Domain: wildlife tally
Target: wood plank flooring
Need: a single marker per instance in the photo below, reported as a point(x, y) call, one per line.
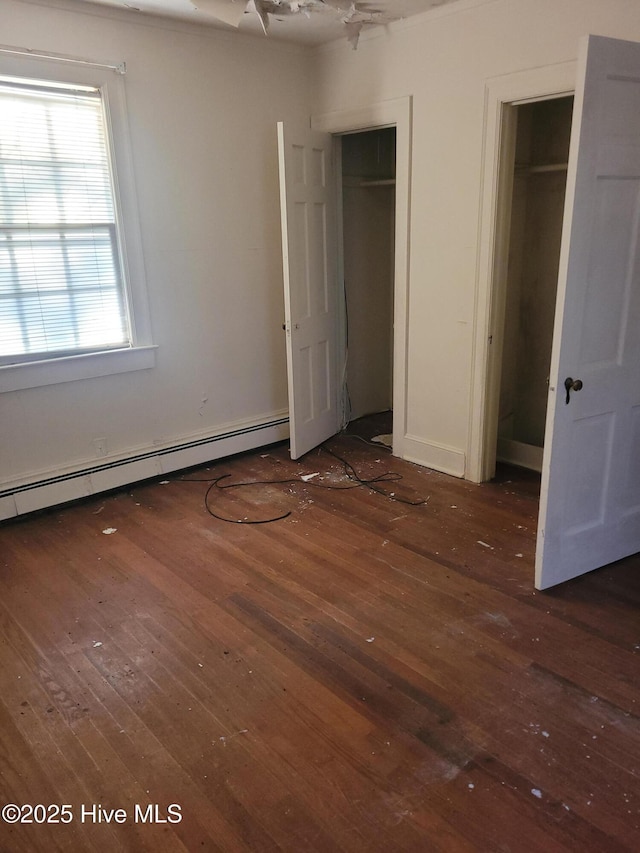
point(364, 675)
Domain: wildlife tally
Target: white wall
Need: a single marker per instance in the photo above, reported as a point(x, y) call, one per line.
point(445, 59)
point(202, 111)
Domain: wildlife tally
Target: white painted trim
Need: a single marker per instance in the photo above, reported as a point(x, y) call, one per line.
point(50, 488)
point(398, 113)
point(521, 87)
point(118, 67)
point(439, 457)
point(35, 374)
point(521, 454)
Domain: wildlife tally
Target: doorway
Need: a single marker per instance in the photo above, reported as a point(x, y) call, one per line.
point(368, 203)
point(537, 172)
point(589, 507)
point(396, 115)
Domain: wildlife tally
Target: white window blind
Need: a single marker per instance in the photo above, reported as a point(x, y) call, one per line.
point(61, 285)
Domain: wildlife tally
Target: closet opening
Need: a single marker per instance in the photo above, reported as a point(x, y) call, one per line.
point(538, 176)
point(367, 179)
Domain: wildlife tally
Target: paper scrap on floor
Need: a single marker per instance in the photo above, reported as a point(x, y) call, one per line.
point(387, 440)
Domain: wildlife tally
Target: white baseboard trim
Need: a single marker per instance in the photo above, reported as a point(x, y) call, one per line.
point(47, 490)
point(518, 453)
point(448, 460)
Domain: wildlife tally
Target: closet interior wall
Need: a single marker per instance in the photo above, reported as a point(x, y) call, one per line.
point(537, 205)
point(368, 214)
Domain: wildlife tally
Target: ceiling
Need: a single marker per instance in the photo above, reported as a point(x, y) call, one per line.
point(308, 22)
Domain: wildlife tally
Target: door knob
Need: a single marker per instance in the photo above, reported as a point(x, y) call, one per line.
point(570, 385)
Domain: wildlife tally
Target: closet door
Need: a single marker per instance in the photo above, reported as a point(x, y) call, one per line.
point(590, 497)
point(307, 203)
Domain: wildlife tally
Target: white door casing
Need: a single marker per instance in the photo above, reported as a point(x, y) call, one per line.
point(397, 113)
point(307, 206)
point(502, 95)
point(590, 494)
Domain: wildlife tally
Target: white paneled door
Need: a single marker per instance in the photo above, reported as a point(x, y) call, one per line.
point(307, 201)
point(590, 498)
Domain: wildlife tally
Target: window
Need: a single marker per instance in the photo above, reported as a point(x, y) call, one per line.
point(64, 295)
point(60, 277)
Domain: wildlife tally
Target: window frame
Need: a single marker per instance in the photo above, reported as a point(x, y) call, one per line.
point(140, 355)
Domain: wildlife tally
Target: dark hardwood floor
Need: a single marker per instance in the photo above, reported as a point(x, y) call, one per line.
point(363, 675)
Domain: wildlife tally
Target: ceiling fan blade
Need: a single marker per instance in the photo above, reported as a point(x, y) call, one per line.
point(228, 11)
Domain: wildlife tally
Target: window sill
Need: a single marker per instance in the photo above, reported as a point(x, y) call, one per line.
point(34, 374)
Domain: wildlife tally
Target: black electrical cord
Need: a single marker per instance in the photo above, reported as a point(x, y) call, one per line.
point(389, 477)
point(350, 473)
point(216, 485)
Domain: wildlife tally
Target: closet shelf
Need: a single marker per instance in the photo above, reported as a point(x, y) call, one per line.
point(382, 182)
point(539, 170)
point(369, 182)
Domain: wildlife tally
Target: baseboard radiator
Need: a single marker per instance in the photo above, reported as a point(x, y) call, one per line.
point(89, 479)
